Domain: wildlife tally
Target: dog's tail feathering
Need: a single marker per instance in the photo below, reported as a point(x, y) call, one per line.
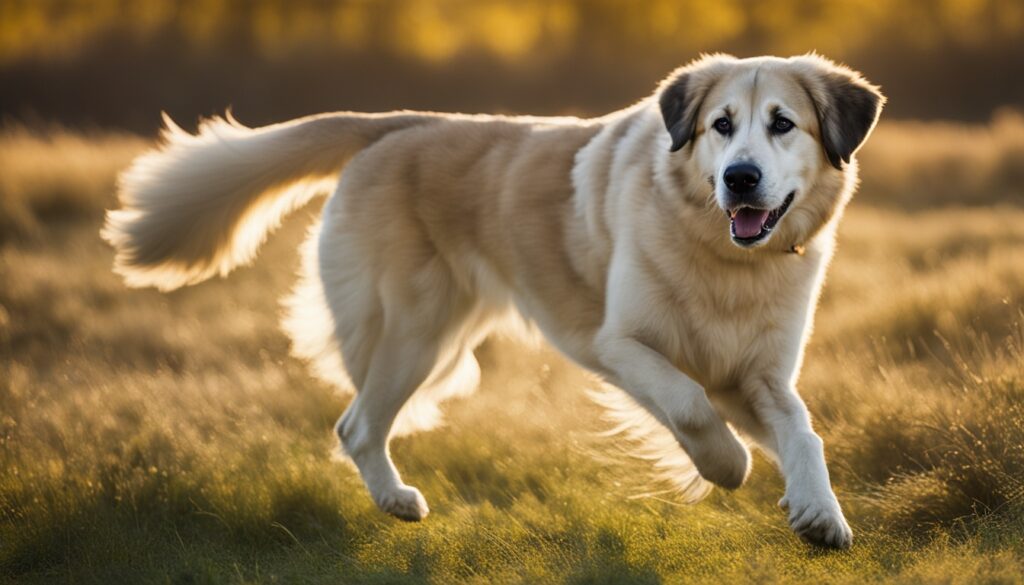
point(200, 205)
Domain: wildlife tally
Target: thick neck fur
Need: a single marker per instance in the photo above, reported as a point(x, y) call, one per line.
point(677, 202)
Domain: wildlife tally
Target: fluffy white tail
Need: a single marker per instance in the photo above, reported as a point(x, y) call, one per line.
point(200, 205)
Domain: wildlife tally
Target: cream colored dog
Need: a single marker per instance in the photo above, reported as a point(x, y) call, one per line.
point(676, 248)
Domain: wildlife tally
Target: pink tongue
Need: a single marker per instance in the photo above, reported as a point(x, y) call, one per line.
point(748, 222)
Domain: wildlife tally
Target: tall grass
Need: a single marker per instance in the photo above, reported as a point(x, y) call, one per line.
point(916, 165)
point(55, 173)
point(170, 438)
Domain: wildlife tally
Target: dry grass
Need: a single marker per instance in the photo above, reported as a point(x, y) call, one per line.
point(917, 165)
point(52, 174)
point(169, 438)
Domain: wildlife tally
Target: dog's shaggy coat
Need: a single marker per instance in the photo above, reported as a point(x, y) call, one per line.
point(676, 248)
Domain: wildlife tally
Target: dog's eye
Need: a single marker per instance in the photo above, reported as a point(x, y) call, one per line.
point(723, 126)
point(782, 125)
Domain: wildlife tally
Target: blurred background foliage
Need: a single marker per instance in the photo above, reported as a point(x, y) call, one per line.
point(116, 63)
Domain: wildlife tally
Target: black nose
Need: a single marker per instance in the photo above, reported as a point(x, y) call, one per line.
point(742, 178)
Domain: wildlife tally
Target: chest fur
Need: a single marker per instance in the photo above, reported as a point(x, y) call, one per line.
point(721, 324)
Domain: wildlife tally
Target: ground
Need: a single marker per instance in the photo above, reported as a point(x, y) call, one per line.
point(170, 438)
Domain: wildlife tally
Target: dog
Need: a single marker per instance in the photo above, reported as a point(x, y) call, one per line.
point(676, 248)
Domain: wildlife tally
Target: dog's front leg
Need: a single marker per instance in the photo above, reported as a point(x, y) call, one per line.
point(814, 511)
point(680, 404)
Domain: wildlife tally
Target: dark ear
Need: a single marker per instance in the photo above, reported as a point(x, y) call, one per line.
point(681, 94)
point(677, 111)
point(847, 106)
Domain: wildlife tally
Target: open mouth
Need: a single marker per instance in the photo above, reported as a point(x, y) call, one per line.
point(751, 225)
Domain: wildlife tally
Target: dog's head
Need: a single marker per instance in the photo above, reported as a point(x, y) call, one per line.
point(774, 138)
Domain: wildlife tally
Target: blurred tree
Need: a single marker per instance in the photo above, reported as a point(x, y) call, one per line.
point(948, 58)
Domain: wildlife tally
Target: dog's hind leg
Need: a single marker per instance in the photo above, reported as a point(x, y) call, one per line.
point(457, 374)
point(416, 335)
point(399, 367)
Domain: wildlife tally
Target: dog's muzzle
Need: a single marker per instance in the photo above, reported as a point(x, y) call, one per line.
point(750, 224)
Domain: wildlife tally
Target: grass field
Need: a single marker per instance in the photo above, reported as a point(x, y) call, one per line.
point(171, 439)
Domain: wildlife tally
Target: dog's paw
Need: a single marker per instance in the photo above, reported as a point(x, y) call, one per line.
point(719, 456)
point(818, 520)
point(403, 502)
